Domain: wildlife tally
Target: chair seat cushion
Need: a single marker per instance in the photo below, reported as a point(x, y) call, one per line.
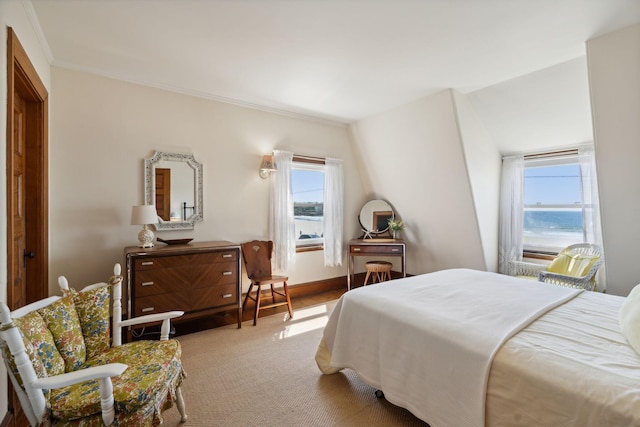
point(572, 264)
point(154, 372)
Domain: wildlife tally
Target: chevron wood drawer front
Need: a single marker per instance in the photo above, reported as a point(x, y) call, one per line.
point(198, 278)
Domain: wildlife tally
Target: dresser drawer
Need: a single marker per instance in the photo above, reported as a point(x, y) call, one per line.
point(214, 274)
point(186, 259)
point(376, 250)
point(161, 303)
point(214, 296)
point(161, 280)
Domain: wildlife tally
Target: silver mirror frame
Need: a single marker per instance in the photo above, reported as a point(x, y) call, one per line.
point(149, 190)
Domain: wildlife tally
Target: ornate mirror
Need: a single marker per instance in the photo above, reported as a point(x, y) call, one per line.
point(374, 217)
point(173, 184)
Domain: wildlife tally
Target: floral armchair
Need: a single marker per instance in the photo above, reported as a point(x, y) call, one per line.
point(68, 370)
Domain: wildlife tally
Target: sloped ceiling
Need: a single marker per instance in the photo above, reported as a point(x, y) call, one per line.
point(340, 60)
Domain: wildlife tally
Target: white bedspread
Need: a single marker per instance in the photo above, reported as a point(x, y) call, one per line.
point(428, 341)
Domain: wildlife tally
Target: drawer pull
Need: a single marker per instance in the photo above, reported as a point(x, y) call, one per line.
point(148, 309)
point(147, 263)
point(227, 255)
point(227, 273)
point(356, 249)
point(395, 250)
point(227, 295)
point(147, 283)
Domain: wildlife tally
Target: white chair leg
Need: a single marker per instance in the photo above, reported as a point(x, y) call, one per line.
point(180, 404)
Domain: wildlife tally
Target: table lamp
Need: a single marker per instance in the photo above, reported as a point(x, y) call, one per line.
point(144, 215)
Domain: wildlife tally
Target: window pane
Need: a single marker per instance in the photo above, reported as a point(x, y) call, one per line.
point(308, 205)
point(553, 207)
point(552, 185)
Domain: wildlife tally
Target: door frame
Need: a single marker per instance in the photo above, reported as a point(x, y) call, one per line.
point(22, 78)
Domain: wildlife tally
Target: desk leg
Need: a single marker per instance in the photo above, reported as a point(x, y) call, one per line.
point(404, 269)
point(349, 271)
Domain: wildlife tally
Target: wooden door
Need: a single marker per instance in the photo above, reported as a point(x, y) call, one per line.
point(163, 193)
point(18, 291)
point(27, 190)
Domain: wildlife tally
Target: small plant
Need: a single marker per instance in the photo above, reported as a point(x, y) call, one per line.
point(396, 225)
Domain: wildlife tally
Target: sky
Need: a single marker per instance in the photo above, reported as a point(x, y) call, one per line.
point(307, 186)
point(552, 185)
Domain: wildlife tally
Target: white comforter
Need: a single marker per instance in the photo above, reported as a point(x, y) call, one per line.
point(428, 341)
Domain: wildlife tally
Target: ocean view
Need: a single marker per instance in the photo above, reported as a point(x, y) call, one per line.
point(552, 228)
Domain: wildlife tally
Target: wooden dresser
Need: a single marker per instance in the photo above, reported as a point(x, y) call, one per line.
point(199, 278)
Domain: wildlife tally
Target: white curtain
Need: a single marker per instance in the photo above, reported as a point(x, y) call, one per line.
point(333, 212)
point(282, 223)
point(511, 212)
point(591, 204)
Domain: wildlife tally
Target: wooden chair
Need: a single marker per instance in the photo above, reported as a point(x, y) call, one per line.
point(257, 260)
point(377, 270)
point(53, 347)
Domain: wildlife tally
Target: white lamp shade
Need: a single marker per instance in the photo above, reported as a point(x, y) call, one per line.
point(145, 214)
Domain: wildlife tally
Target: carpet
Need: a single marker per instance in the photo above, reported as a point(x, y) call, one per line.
point(266, 376)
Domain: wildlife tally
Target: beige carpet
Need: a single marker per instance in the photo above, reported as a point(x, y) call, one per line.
point(266, 375)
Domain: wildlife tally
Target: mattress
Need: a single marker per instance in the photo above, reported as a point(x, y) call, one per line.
point(571, 367)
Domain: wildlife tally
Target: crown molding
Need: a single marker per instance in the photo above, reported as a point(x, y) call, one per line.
point(35, 24)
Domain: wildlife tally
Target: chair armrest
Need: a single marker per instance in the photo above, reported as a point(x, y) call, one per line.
point(148, 318)
point(583, 282)
point(104, 373)
point(70, 378)
point(522, 268)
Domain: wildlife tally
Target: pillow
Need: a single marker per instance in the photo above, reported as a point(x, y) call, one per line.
point(62, 320)
point(630, 318)
point(561, 263)
point(93, 312)
point(572, 264)
point(39, 345)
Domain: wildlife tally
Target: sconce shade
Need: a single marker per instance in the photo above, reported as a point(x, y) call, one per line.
point(142, 215)
point(267, 166)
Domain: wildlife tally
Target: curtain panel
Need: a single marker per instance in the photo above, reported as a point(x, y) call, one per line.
point(333, 212)
point(511, 212)
point(281, 220)
point(591, 206)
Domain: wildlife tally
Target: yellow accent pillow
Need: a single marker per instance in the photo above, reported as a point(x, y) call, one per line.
point(572, 264)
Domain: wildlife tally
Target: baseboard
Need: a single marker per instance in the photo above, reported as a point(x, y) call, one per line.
point(317, 287)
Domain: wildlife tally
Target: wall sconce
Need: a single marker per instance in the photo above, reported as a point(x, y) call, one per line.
point(267, 167)
point(144, 215)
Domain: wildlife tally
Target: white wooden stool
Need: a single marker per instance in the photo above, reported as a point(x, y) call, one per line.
point(378, 270)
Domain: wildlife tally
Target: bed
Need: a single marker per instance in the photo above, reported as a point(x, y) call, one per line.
point(469, 348)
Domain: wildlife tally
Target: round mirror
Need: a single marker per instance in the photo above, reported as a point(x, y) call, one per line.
point(374, 217)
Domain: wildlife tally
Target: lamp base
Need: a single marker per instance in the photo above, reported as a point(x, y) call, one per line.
point(146, 236)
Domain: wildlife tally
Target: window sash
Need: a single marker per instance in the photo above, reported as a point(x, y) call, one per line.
point(316, 165)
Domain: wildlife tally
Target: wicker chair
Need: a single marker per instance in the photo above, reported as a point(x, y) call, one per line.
point(588, 253)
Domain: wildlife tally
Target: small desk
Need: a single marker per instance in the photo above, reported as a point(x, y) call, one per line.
point(374, 247)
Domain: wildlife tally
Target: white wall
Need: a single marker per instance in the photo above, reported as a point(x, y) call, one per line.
point(614, 76)
point(484, 163)
point(101, 131)
point(413, 158)
point(546, 109)
point(12, 14)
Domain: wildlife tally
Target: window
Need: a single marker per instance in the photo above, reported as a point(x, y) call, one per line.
point(307, 182)
point(553, 216)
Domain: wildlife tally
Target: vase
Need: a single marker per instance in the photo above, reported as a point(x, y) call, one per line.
point(395, 234)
